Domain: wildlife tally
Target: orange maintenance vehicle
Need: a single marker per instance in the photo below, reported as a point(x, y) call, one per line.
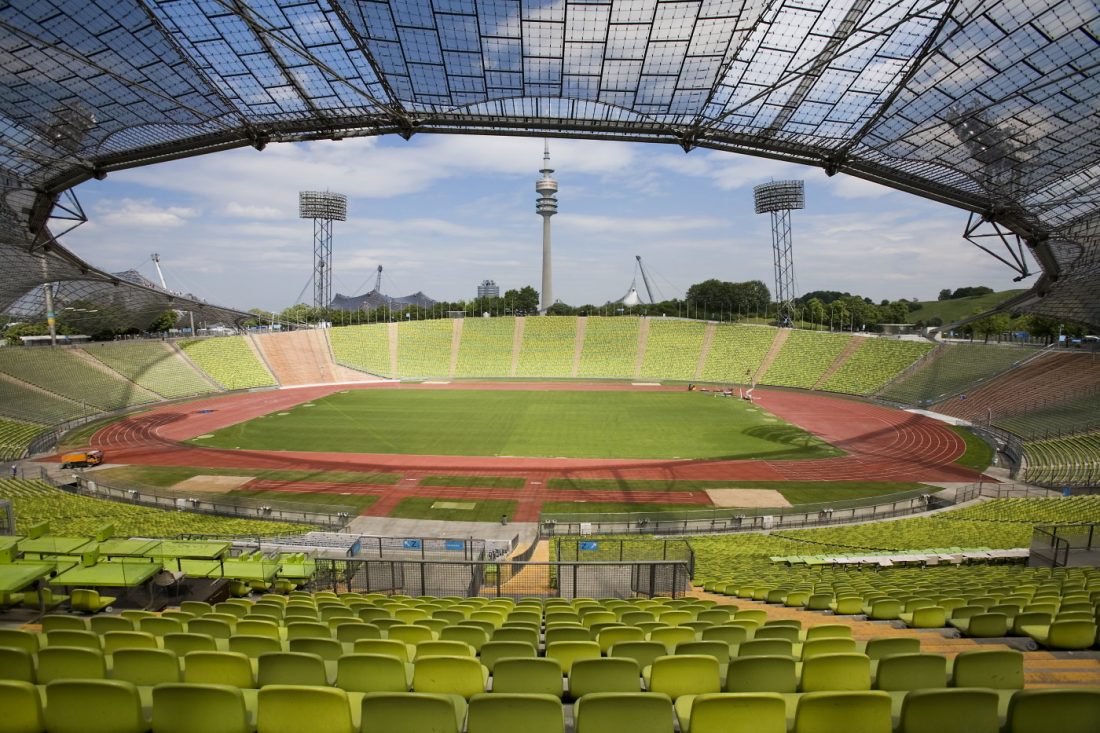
point(82, 459)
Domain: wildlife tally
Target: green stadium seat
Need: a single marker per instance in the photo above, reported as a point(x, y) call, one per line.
point(950, 711)
point(93, 706)
point(285, 708)
point(725, 712)
point(412, 712)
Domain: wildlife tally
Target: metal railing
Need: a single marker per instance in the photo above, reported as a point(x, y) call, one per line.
point(748, 519)
point(327, 516)
point(504, 579)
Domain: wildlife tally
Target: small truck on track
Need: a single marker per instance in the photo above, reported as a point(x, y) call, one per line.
point(82, 459)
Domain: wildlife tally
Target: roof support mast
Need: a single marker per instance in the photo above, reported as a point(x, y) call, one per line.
point(645, 280)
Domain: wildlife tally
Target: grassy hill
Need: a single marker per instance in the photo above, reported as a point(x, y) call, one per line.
point(950, 311)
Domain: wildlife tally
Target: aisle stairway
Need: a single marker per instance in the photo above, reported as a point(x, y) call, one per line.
point(303, 357)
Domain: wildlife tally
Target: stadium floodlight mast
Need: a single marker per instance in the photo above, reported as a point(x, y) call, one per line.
point(779, 198)
point(324, 208)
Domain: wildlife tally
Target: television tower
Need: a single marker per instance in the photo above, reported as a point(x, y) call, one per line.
point(778, 199)
point(546, 207)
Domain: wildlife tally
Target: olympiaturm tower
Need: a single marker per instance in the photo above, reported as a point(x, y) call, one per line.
point(546, 207)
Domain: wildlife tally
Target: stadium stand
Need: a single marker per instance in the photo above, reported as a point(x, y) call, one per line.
point(672, 349)
point(366, 348)
point(1078, 414)
point(15, 437)
point(804, 358)
point(154, 365)
point(548, 347)
point(954, 368)
point(874, 363)
point(22, 402)
point(610, 347)
point(72, 515)
point(1071, 461)
point(486, 347)
point(424, 348)
point(65, 373)
point(1046, 381)
point(736, 353)
point(229, 361)
point(303, 357)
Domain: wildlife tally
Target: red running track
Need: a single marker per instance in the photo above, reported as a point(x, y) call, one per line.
point(881, 445)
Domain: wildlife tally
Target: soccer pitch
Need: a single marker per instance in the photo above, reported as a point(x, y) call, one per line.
point(588, 424)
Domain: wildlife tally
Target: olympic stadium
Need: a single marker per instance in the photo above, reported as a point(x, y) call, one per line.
point(569, 522)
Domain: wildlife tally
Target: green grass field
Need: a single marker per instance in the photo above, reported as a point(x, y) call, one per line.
point(950, 311)
point(168, 476)
point(454, 510)
point(660, 425)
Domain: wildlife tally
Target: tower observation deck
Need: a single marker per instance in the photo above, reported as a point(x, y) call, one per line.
point(546, 206)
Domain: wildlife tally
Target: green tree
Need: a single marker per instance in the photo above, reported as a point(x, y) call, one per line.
point(815, 311)
point(166, 321)
point(945, 294)
point(992, 325)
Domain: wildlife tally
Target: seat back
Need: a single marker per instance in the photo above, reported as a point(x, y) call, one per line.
point(293, 708)
point(257, 627)
point(463, 676)
point(390, 647)
point(760, 712)
point(371, 673)
point(22, 706)
point(729, 634)
point(252, 646)
point(218, 668)
point(829, 631)
point(567, 652)
point(789, 633)
point(93, 706)
point(535, 675)
point(79, 639)
point(145, 666)
point(879, 648)
point(643, 652)
point(61, 662)
point(911, 672)
point(290, 668)
point(442, 648)
point(471, 635)
point(412, 712)
point(950, 711)
point(183, 644)
point(492, 713)
point(102, 624)
point(115, 640)
point(623, 712)
point(999, 669)
point(497, 650)
point(828, 712)
point(60, 622)
point(184, 708)
point(720, 650)
point(17, 665)
point(766, 647)
point(1065, 711)
point(836, 672)
point(18, 639)
point(687, 674)
point(606, 674)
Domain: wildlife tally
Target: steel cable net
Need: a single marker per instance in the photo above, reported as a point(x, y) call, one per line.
point(989, 105)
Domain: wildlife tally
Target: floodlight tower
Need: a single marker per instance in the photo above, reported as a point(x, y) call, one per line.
point(546, 206)
point(779, 198)
point(324, 208)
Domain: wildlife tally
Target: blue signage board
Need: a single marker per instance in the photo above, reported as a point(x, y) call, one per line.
point(455, 545)
point(590, 545)
point(411, 544)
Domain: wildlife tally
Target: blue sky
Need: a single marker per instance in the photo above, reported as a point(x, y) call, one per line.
point(441, 213)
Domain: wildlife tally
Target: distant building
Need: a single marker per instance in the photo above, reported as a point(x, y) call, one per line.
point(488, 289)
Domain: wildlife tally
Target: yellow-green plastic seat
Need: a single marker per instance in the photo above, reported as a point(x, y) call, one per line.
point(373, 673)
point(717, 649)
point(159, 626)
point(612, 635)
point(983, 625)
point(495, 713)
point(765, 647)
point(686, 674)
point(79, 639)
point(899, 672)
point(493, 651)
point(762, 674)
point(291, 668)
point(85, 600)
point(879, 648)
point(93, 706)
point(567, 652)
point(999, 669)
point(828, 631)
point(21, 706)
point(16, 665)
point(789, 633)
point(327, 649)
point(849, 672)
point(116, 640)
point(464, 676)
point(441, 648)
point(183, 644)
point(214, 628)
point(1064, 635)
point(186, 708)
point(729, 634)
point(145, 667)
point(535, 675)
point(18, 639)
point(62, 662)
point(410, 633)
point(623, 712)
point(557, 634)
point(307, 630)
point(643, 652)
point(1062, 710)
point(724, 712)
point(850, 712)
point(412, 712)
point(257, 627)
point(218, 668)
point(827, 645)
point(506, 633)
point(103, 623)
point(606, 674)
point(956, 710)
point(296, 708)
point(475, 637)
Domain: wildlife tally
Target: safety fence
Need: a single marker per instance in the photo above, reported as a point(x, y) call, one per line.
point(1062, 545)
point(504, 579)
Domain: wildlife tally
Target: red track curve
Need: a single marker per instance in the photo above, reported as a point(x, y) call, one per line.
point(881, 445)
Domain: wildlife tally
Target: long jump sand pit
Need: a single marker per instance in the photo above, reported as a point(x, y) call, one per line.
point(746, 498)
point(212, 484)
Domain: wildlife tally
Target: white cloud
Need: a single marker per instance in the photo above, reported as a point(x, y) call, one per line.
point(144, 213)
point(252, 211)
